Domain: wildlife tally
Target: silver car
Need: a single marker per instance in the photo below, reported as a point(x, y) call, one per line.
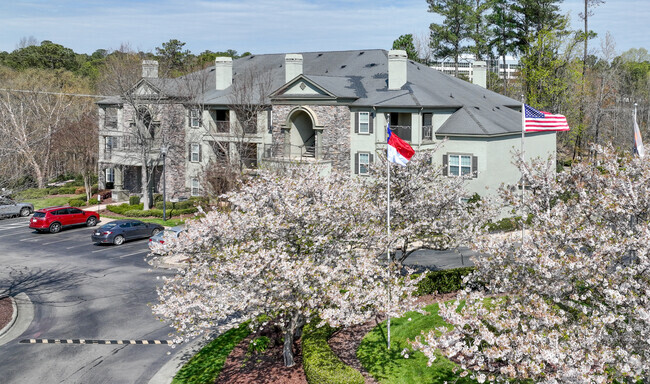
point(9, 207)
point(168, 233)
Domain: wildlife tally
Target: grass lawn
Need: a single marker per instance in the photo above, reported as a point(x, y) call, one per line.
point(51, 201)
point(389, 366)
point(205, 366)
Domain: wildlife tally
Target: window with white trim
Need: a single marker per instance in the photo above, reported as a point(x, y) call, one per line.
point(195, 152)
point(195, 118)
point(196, 189)
point(364, 122)
point(110, 175)
point(460, 165)
point(111, 143)
point(363, 163)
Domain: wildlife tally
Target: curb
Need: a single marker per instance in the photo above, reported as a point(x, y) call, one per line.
point(166, 373)
point(14, 316)
point(24, 312)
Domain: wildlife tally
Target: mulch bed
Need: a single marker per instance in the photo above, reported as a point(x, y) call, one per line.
point(6, 311)
point(268, 367)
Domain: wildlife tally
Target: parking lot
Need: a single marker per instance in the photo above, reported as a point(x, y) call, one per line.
point(80, 291)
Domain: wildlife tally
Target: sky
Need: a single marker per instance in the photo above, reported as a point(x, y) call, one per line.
point(264, 26)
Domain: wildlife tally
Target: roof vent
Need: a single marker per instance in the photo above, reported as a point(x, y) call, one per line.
point(451, 95)
point(319, 55)
point(361, 53)
point(343, 66)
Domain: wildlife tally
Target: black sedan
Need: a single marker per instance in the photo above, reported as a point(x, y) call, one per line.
point(119, 231)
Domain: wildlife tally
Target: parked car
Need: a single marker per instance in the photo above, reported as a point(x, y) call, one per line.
point(168, 233)
point(119, 231)
point(53, 219)
point(10, 207)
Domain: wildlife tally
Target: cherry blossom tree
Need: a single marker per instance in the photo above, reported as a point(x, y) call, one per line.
point(290, 249)
point(429, 210)
point(571, 304)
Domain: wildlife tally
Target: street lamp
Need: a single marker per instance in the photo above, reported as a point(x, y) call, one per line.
point(163, 152)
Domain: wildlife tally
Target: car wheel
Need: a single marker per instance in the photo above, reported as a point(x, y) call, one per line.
point(91, 222)
point(155, 232)
point(118, 240)
point(55, 227)
point(24, 212)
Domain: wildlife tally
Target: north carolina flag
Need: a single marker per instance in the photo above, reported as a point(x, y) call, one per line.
point(536, 121)
point(399, 151)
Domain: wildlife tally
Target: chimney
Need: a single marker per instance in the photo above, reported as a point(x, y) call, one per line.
point(149, 68)
point(223, 72)
point(479, 76)
point(396, 69)
point(292, 65)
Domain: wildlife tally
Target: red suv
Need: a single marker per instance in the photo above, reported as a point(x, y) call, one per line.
point(52, 219)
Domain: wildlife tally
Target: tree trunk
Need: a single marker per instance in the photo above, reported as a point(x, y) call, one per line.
point(292, 333)
point(287, 350)
point(88, 186)
point(145, 185)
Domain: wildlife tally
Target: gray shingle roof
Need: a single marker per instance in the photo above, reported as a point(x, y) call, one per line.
point(361, 77)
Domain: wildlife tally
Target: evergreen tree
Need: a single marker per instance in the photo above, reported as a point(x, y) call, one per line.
point(448, 38)
point(535, 16)
point(479, 31)
point(405, 42)
point(504, 34)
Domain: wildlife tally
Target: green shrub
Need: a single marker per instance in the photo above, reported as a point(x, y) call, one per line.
point(120, 209)
point(76, 203)
point(93, 201)
point(321, 365)
point(33, 193)
point(259, 345)
point(53, 191)
point(134, 200)
point(68, 190)
point(445, 281)
point(157, 197)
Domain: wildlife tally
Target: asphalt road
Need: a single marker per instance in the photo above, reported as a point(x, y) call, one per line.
point(80, 291)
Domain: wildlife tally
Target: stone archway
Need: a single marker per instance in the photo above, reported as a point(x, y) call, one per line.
point(302, 135)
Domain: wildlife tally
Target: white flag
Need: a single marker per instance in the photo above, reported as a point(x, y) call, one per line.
point(638, 143)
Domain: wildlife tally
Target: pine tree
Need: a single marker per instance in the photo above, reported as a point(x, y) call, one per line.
point(447, 38)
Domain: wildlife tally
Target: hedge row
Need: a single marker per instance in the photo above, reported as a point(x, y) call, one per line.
point(137, 211)
point(321, 365)
point(445, 281)
point(158, 212)
point(37, 193)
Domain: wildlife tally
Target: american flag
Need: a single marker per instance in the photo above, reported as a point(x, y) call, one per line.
point(536, 121)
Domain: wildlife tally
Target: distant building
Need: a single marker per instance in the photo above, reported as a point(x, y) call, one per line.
point(467, 62)
point(325, 109)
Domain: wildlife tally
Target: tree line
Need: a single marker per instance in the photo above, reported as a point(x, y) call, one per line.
point(48, 116)
point(559, 70)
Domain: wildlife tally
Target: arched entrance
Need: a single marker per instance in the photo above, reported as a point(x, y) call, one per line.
point(302, 136)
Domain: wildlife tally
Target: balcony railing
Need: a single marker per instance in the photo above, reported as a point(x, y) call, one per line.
point(403, 131)
point(427, 132)
point(222, 126)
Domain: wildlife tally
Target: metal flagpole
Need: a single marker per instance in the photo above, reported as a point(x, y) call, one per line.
point(523, 183)
point(388, 229)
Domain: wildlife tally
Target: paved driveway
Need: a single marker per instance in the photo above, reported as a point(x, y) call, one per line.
point(92, 321)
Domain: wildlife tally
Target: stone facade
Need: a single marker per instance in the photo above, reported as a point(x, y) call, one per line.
point(331, 121)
